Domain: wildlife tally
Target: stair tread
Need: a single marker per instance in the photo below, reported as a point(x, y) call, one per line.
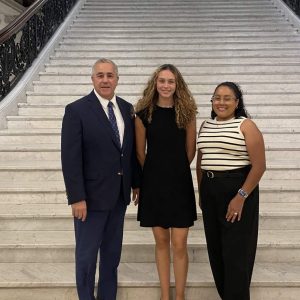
point(23, 147)
point(275, 185)
point(65, 238)
point(56, 117)
point(28, 210)
point(56, 165)
point(57, 131)
point(266, 184)
point(139, 274)
point(200, 104)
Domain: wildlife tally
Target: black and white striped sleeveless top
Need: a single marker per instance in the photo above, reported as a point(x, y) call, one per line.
point(222, 145)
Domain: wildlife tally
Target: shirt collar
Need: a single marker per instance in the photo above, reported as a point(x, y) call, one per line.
point(104, 102)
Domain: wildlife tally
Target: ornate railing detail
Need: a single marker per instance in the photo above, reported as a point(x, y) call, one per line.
point(23, 39)
point(294, 5)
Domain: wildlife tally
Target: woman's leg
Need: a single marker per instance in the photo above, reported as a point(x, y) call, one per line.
point(162, 256)
point(180, 259)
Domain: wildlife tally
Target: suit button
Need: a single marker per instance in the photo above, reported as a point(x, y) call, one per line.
point(122, 155)
point(120, 173)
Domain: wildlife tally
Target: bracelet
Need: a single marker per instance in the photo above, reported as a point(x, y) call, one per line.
point(243, 193)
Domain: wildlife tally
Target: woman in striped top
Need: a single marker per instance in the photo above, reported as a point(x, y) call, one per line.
point(230, 163)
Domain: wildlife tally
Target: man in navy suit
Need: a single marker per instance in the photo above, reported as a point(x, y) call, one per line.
point(100, 169)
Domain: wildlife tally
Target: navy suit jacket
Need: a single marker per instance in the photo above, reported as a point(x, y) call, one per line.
point(94, 167)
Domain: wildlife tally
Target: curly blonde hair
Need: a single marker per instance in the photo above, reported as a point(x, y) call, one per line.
point(184, 102)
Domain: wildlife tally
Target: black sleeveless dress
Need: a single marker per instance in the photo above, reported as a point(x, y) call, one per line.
point(167, 197)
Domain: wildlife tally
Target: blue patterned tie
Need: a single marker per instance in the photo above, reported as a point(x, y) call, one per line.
point(113, 121)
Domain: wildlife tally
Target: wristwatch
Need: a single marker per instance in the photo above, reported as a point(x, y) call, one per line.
point(243, 193)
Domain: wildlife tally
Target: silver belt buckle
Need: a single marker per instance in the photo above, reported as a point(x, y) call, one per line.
point(210, 174)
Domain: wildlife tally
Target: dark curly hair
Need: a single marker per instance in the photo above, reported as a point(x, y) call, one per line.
point(240, 110)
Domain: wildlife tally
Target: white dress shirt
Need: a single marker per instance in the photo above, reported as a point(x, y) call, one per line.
point(119, 118)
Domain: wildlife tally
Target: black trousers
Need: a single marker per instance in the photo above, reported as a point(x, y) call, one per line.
point(231, 246)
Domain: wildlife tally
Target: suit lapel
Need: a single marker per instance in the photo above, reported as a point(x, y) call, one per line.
point(102, 117)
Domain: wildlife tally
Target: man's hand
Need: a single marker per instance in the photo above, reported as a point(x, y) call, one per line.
point(135, 196)
point(79, 210)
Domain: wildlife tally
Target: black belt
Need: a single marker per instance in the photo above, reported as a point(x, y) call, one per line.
point(229, 173)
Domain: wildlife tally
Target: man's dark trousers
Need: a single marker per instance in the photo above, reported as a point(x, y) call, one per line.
point(101, 230)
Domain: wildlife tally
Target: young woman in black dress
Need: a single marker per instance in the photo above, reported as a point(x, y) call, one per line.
point(166, 145)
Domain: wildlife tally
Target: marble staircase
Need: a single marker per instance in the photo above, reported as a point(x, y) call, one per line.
point(247, 41)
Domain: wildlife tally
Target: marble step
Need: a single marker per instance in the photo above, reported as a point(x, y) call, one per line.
point(203, 15)
point(271, 190)
point(200, 15)
point(138, 246)
point(62, 98)
point(190, 77)
point(178, 35)
point(56, 194)
point(279, 37)
point(199, 61)
point(192, 27)
point(74, 54)
point(30, 153)
point(200, 10)
point(182, 22)
point(175, 3)
point(203, 109)
point(36, 281)
point(240, 67)
point(197, 23)
point(54, 165)
point(193, 46)
point(183, 7)
point(174, 27)
point(42, 214)
point(51, 171)
point(49, 152)
point(191, 22)
point(262, 121)
point(23, 137)
point(18, 132)
point(118, 21)
point(131, 6)
point(271, 144)
point(273, 166)
point(217, 3)
point(20, 153)
point(54, 137)
point(195, 87)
